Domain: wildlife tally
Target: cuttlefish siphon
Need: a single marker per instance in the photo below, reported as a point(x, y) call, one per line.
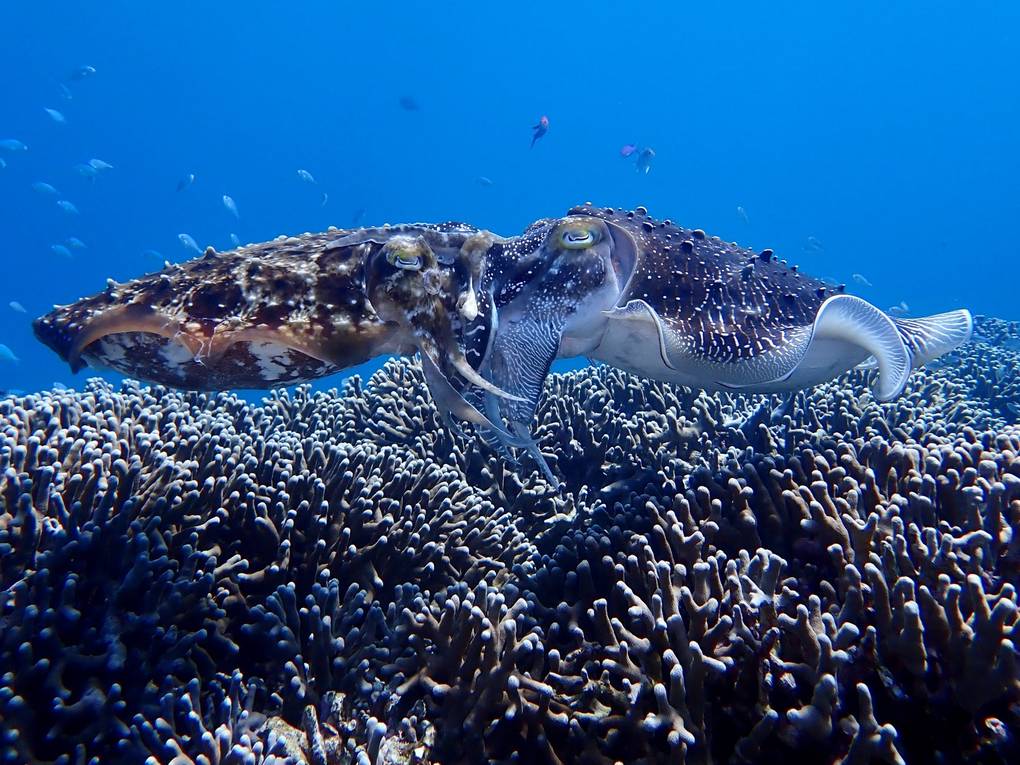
point(291, 310)
point(676, 305)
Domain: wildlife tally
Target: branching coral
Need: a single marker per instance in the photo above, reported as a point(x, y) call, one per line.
point(335, 578)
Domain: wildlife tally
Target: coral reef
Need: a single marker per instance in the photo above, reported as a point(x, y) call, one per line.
point(335, 578)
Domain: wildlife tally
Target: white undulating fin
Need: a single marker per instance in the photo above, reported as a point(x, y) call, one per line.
point(929, 337)
point(639, 310)
point(849, 318)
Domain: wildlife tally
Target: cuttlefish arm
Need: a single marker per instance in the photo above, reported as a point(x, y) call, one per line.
point(560, 286)
point(411, 287)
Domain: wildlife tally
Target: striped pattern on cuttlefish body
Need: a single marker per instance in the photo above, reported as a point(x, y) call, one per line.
point(290, 310)
point(677, 305)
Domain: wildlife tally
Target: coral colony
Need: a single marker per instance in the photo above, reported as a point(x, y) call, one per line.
point(336, 578)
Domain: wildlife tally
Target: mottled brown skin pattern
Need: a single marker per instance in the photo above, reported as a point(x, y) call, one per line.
point(731, 302)
point(264, 315)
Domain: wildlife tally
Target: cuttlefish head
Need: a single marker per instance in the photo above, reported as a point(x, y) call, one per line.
point(553, 302)
point(577, 259)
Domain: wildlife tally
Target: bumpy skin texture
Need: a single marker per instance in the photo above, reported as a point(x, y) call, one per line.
point(332, 577)
point(260, 316)
point(730, 302)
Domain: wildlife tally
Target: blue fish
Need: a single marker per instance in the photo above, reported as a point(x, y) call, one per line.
point(67, 207)
point(189, 242)
point(46, 189)
point(86, 171)
point(12, 144)
point(229, 203)
point(6, 354)
point(83, 72)
point(59, 249)
point(56, 116)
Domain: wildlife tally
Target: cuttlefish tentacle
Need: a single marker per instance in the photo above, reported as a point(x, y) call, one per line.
point(522, 353)
point(409, 287)
point(448, 401)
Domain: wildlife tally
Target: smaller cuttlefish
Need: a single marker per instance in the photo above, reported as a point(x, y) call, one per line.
point(291, 310)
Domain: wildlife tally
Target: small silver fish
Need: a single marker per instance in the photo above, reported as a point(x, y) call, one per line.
point(56, 116)
point(325, 198)
point(75, 243)
point(16, 306)
point(83, 72)
point(46, 189)
point(153, 254)
point(86, 171)
point(483, 180)
point(231, 205)
point(61, 250)
point(306, 176)
point(862, 280)
point(899, 309)
point(99, 164)
point(812, 244)
point(67, 207)
point(65, 92)
point(3, 163)
point(742, 213)
point(12, 144)
point(234, 240)
point(59, 386)
point(6, 354)
point(189, 242)
point(186, 181)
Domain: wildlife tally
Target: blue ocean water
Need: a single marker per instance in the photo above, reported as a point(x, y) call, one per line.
point(877, 139)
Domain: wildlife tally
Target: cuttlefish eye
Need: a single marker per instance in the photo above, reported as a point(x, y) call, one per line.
point(578, 237)
point(408, 258)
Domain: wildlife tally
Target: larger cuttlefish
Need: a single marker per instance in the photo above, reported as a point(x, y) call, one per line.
point(291, 310)
point(676, 305)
